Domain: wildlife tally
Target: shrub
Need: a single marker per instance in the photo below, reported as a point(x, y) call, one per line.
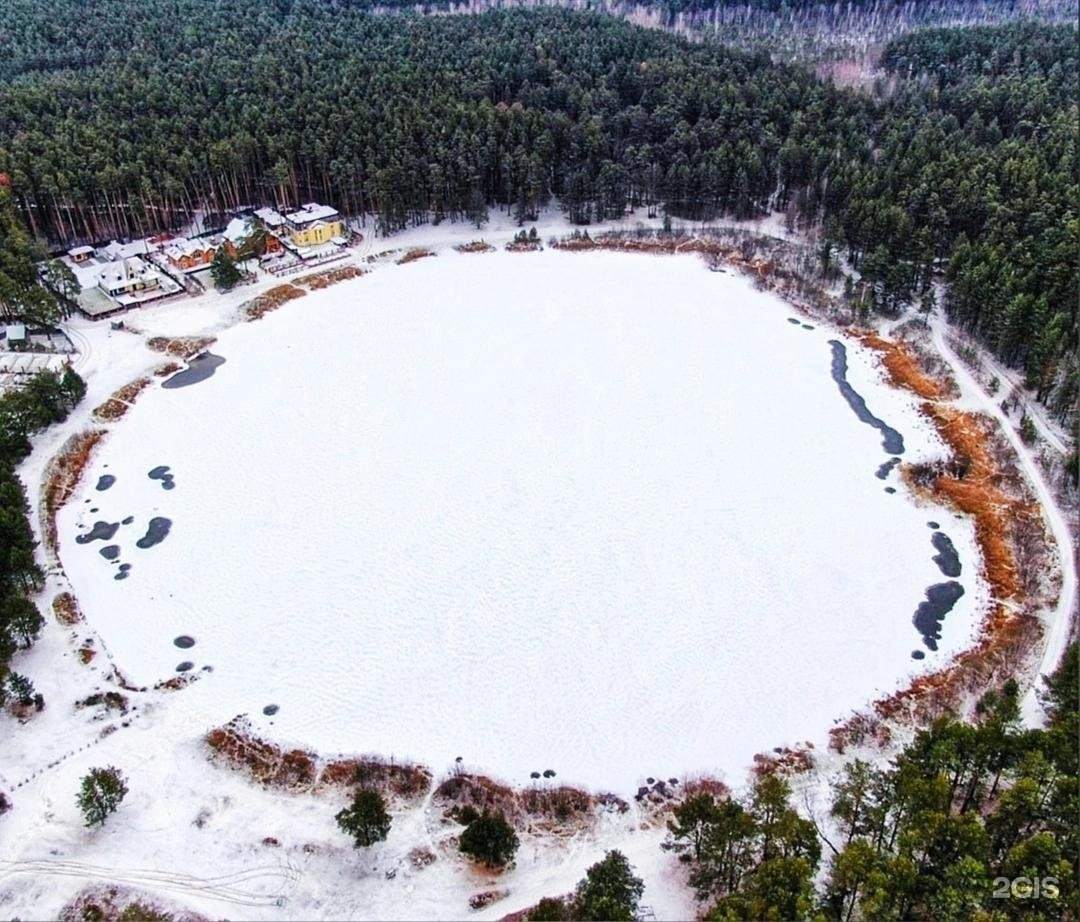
point(366, 820)
point(490, 839)
point(100, 794)
point(549, 909)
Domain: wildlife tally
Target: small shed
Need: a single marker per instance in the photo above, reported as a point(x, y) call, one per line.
point(15, 334)
point(80, 254)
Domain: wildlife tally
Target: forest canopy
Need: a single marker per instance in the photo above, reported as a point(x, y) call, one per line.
point(962, 166)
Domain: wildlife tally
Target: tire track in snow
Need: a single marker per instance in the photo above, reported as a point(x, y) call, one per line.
point(226, 888)
point(82, 347)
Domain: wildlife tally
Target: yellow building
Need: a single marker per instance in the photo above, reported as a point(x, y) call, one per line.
point(314, 224)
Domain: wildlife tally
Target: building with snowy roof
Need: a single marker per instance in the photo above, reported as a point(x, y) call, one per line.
point(314, 224)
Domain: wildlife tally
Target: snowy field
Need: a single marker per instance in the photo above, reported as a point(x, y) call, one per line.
point(604, 514)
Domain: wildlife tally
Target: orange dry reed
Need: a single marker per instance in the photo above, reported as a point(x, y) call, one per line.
point(974, 484)
point(330, 277)
point(902, 367)
point(181, 346)
point(62, 476)
point(120, 401)
point(66, 608)
point(273, 299)
point(413, 255)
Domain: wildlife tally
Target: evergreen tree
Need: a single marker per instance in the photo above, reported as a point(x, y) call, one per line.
point(365, 819)
point(489, 839)
point(20, 688)
point(100, 794)
point(223, 270)
point(610, 891)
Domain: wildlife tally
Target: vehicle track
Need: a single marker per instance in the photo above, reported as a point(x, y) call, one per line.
point(226, 888)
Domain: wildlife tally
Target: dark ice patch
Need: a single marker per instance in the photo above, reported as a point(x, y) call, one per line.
point(891, 440)
point(105, 481)
point(110, 551)
point(199, 369)
point(102, 531)
point(161, 472)
point(940, 599)
point(947, 559)
point(883, 471)
point(184, 642)
point(156, 532)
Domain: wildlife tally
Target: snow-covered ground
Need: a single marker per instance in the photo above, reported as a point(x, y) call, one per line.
point(344, 465)
point(601, 514)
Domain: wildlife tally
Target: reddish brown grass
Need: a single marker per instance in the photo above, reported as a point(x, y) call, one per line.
point(330, 277)
point(406, 781)
point(980, 483)
point(475, 246)
point(110, 903)
point(271, 300)
point(267, 763)
point(163, 371)
point(120, 402)
point(300, 770)
point(413, 255)
point(183, 347)
point(902, 367)
point(66, 609)
point(62, 476)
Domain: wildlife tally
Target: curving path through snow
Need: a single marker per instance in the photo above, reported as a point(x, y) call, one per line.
point(1057, 620)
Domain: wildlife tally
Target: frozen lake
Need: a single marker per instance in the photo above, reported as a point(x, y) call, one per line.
point(604, 514)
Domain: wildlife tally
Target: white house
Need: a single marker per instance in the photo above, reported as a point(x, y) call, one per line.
point(127, 277)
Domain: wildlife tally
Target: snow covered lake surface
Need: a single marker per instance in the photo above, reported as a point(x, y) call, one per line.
point(604, 514)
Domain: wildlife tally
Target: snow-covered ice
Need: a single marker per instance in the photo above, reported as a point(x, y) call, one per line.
point(604, 514)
